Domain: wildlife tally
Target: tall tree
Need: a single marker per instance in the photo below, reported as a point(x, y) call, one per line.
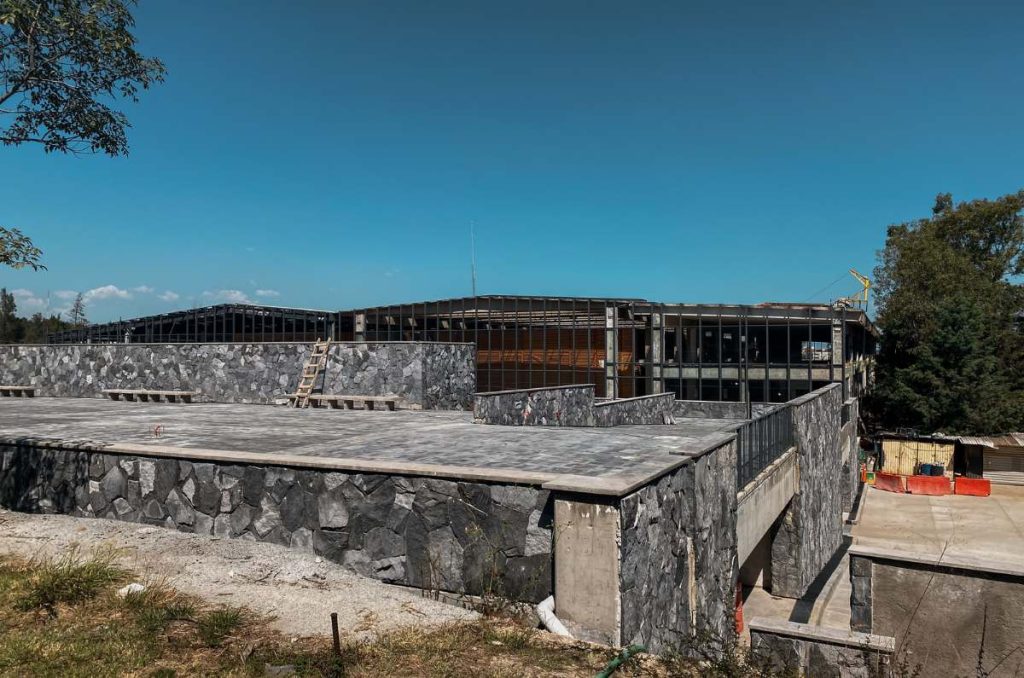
point(62, 64)
point(76, 314)
point(8, 319)
point(949, 300)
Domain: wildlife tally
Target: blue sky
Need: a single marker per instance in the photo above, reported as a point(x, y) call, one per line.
point(334, 154)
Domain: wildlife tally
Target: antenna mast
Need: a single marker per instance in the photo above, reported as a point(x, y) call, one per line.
point(472, 253)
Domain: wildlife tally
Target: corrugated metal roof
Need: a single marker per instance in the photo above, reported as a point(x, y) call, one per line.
point(976, 440)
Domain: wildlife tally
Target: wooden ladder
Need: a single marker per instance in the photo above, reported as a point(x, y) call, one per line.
point(311, 372)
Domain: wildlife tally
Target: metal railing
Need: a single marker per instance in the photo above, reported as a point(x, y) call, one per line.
point(761, 441)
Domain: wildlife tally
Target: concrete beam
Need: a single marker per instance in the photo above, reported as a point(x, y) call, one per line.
point(763, 500)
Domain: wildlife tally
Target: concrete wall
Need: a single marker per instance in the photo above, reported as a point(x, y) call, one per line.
point(423, 374)
point(761, 502)
point(430, 533)
point(789, 648)
point(678, 554)
point(941, 614)
point(811, 530)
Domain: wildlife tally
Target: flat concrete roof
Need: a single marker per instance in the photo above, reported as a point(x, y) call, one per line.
point(609, 461)
point(981, 532)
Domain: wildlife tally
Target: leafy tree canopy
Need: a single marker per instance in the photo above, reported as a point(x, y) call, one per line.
point(62, 65)
point(950, 299)
point(17, 251)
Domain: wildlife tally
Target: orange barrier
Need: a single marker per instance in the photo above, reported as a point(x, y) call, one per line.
point(972, 487)
point(739, 607)
point(929, 485)
point(890, 482)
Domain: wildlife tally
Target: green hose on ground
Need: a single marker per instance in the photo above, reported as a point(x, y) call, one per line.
point(614, 664)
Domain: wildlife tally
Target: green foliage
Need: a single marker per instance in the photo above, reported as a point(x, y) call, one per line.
point(62, 62)
point(32, 330)
point(69, 579)
point(950, 299)
point(17, 251)
point(216, 625)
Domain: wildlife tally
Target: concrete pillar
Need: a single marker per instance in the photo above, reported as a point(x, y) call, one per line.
point(655, 359)
point(360, 327)
point(611, 353)
point(587, 596)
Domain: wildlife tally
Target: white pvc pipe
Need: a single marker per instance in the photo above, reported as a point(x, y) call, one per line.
point(546, 612)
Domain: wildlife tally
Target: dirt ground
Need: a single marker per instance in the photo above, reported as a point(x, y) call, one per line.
point(299, 589)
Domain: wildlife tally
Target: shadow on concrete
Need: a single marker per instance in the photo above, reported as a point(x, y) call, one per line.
point(805, 605)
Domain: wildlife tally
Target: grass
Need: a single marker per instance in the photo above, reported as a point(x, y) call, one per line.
point(63, 617)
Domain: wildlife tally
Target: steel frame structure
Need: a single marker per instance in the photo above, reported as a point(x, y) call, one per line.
point(625, 347)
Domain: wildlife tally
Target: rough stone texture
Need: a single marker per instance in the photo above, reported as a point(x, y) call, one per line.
point(569, 406)
point(423, 374)
point(811, 529)
point(557, 406)
point(653, 409)
point(464, 537)
point(717, 409)
point(860, 594)
point(688, 517)
point(958, 614)
point(819, 657)
point(851, 453)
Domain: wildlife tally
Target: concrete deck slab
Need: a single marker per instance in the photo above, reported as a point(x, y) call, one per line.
point(597, 460)
point(985, 529)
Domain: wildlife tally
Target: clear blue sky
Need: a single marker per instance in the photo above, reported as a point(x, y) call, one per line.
point(334, 154)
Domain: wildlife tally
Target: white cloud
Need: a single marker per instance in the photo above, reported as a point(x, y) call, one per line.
point(267, 293)
point(231, 296)
point(143, 289)
point(67, 295)
point(28, 301)
point(106, 292)
point(169, 296)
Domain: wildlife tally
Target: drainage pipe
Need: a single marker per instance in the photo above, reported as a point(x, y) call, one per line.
point(546, 612)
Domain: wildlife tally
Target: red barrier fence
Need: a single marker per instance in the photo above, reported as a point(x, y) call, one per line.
point(930, 485)
point(973, 487)
point(890, 482)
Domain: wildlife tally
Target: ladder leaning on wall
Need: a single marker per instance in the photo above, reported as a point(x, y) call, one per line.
point(315, 366)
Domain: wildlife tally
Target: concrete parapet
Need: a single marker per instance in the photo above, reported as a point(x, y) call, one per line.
point(802, 649)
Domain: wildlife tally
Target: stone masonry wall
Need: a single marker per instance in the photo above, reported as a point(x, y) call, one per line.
point(465, 537)
point(851, 453)
point(555, 406)
point(678, 554)
point(653, 409)
point(800, 649)
point(811, 529)
point(717, 409)
point(423, 375)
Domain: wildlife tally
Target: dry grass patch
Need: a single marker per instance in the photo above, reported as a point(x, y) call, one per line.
point(63, 617)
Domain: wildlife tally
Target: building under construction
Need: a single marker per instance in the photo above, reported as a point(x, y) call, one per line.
point(769, 352)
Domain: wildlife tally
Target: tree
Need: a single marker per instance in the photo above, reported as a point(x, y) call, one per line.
point(8, 319)
point(949, 300)
point(76, 314)
point(17, 251)
point(62, 63)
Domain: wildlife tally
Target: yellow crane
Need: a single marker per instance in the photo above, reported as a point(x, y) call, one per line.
point(860, 299)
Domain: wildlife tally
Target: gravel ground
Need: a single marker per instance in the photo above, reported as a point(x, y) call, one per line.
point(299, 589)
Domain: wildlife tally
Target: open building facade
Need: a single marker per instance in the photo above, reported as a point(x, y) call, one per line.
point(764, 353)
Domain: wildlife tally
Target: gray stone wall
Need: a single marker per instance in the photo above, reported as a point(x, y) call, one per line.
point(555, 406)
point(860, 594)
point(678, 554)
point(811, 529)
point(569, 406)
point(789, 648)
point(949, 619)
point(464, 537)
point(851, 453)
point(423, 375)
point(652, 409)
point(717, 409)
